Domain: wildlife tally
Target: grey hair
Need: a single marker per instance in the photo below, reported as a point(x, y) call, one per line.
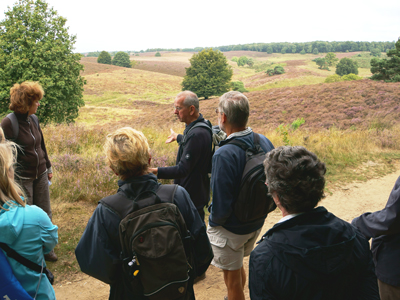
point(190, 99)
point(236, 107)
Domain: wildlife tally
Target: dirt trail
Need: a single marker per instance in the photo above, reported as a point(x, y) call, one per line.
point(347, 203)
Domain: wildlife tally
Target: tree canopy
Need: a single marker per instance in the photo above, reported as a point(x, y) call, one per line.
point(346, 66)
point(387, 69)
point(331, 59)
point(35, 45)
point(208, 75)
point(121, 59)
point(104, 58)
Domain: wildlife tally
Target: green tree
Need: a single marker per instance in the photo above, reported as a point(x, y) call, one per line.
point(93, 54)
point(35, 45)
point(315, 51)
point(235, 59)
point(346, 66)
point(158, 54)
point(104, 58)
point(121, 59)
point(375, 52)
point(303, 51)
point(275, 71)
point(387, 69)
point(242, 61)
point(331, 59)
point(250, 62)
point(270, 50)
point(322, 63)
point(209, 74)
point(238, 86)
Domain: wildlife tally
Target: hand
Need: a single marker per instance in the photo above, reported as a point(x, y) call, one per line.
point(172, 137)
point(153, 170)
point(50, 176)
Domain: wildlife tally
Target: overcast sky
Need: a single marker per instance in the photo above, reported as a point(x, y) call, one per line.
point(139, 25)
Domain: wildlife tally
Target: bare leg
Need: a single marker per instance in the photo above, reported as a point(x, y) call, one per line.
point(234, 281)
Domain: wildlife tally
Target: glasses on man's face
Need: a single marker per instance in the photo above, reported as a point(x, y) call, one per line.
point(177, 108)
point(217, 111)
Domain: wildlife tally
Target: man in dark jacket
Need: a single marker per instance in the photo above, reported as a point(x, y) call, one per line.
point(98, 251)
point(231, 239)
point(193, 162)
point(384, 227)
point(310, 253)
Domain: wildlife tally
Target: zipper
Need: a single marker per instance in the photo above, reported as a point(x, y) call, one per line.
point(34, 148)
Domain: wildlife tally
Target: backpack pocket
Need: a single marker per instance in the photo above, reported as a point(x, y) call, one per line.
point(161, 260)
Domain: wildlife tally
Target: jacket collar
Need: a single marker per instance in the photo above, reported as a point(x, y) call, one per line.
point(199, 119)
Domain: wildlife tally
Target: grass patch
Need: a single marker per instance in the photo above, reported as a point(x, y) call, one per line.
point(289, 82)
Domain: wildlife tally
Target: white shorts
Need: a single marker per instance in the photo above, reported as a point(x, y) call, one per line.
point(229, 248)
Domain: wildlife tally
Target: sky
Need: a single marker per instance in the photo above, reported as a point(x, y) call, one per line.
point(122, 25)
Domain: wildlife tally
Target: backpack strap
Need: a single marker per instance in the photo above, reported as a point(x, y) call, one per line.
point(35, 120)
point(244, 146)
point(205, 124)
point(14, 124)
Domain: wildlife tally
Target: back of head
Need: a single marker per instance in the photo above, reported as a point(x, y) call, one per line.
point(9, 190)
point(190, 99)
point(296, 175)
point(236, 107)
point(127, 152)
point(23, 95)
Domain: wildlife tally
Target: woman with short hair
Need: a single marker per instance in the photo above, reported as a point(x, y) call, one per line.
point(33, 170)
point(25, 229)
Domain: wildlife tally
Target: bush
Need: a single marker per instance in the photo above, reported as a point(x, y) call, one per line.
point(242, 61)
point(303, 51)
point(121, 59)
point(158, 54)
point(234, 59)
point(238, 86)
point(333, 78)
point(350, 77)
point(346, 66)
point(276, 71)
point(104, 58)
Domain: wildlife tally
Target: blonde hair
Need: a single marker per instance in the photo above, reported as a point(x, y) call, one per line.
point(2, 136)
point(127, 152)
point(23, 95)
point(9, 189)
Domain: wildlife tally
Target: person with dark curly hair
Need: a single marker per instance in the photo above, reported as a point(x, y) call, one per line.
point(309, 253)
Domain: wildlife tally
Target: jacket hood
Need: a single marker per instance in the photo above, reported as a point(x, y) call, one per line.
point(11, 222)
point(133, 186)
point(313, 244)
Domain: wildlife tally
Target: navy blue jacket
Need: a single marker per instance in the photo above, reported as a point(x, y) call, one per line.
point(227, 169)
point(384, 227)
point(192, 164)
point(98, 251)
point(312, 256)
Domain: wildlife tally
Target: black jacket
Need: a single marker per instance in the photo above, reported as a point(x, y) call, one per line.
point(193, 164)
point(314, 255)
point(384, 227)
point(99, 249)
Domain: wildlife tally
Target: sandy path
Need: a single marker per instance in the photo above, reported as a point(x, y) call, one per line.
point(347, 203)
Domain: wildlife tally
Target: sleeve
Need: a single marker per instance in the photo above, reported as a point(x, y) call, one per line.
point(201, 245)
point(49, 233)
point(99, 247)
point(46, 157)
point(191, 154)
point(383, 222)
point(259, 282)
point(224, 185)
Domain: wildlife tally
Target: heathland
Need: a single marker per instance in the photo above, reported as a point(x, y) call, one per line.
point(352, 126)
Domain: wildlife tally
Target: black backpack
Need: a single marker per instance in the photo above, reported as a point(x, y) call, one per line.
point(253, 201)
point(156, 246)
point(15, 125)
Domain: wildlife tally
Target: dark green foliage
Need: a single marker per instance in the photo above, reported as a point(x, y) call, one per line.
point(35, 45)
point(276, 71)
point(375, 52)
point(346, 66)
point(238, 86)
point(158, 54)
point(250, 62)
point(208, 75)
point(303, 51)
point(270, 50)
point(242, 61)
point(322, 63)
point(234, 59)
point(93, 54)
point(315, 51)
point(121, 59)
point(104, 58)
point(387, 69)
point(283, 50)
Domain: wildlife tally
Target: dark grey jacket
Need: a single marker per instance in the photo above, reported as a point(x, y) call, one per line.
point(384, 227)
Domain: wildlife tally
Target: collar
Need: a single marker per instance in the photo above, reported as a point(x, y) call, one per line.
point(139, 179)
point(288, 217)
point(247, 131)
point(199, 119)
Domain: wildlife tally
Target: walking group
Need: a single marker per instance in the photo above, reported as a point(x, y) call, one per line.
point(154, 241)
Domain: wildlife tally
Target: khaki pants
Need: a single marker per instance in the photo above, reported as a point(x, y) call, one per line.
point(37, 192)
point(388, 292)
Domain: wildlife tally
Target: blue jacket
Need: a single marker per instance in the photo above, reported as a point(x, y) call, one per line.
point(192, 164)
point(227, 168)
point(384, 227)
point(313, 256)
point(29, 231)
point(98, 251)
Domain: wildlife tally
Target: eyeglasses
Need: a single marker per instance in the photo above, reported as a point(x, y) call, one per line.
point(177, 108)
point(217, 111)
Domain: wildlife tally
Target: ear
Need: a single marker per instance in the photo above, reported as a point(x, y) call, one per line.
point(192, 110)
point(223, 118)
point(276, 199)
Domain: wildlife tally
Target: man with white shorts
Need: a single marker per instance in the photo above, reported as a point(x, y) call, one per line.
point(231, 239)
